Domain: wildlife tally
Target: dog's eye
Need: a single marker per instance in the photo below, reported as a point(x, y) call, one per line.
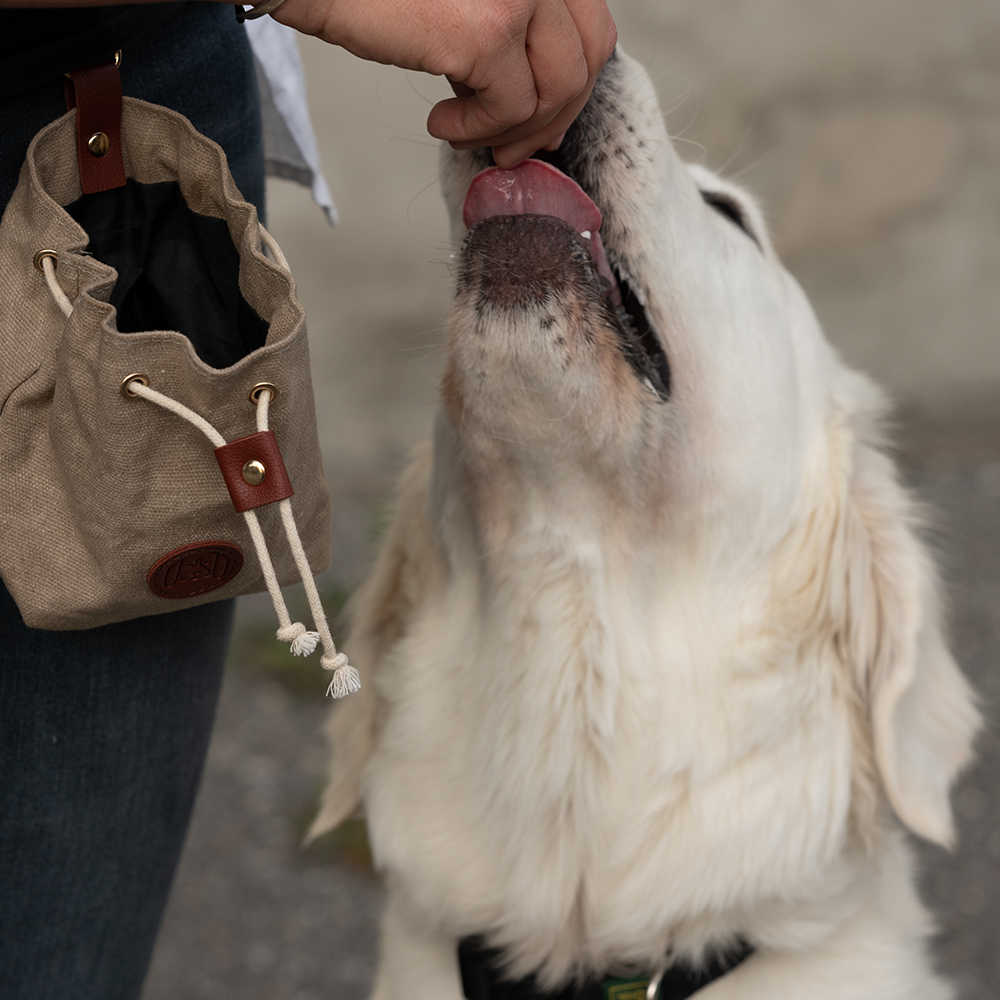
point(725, 205)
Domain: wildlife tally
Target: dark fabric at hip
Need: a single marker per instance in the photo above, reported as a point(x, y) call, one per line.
point(42, 43)
point(197, 62)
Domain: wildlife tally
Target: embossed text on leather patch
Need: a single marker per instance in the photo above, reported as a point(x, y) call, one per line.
point(195, 569)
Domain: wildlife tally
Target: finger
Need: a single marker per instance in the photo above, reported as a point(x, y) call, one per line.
point(555, 72)
point(513, 146)
point(499, 89)
point(549, 63)
point(552, 71)
point(510, 154)
point(460, 89)
point(496, 109)
point(598, 36)
point(597, 31)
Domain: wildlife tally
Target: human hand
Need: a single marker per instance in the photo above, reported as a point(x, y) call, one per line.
point(521, 69)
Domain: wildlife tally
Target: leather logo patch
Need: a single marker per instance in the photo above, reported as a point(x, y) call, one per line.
point(195, 569)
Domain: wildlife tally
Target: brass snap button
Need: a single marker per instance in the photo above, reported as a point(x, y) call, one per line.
point(254, 472)
point(98, 144)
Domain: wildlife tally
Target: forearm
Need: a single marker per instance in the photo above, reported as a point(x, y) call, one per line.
point(52, 4)
point(522, 69)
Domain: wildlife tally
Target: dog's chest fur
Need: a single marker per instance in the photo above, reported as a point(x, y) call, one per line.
point(593, 774)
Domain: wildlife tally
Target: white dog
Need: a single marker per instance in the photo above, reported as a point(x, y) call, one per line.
point(652, 655)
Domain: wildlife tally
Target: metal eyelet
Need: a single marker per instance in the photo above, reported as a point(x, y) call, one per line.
point(254, 394)
point(41, 255)
point(141, 377)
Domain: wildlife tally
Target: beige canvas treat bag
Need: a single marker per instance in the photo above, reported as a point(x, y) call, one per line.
point(157, 430)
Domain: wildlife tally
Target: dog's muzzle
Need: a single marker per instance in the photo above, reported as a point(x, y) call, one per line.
point(533, 232)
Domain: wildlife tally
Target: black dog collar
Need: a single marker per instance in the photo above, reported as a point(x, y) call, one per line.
point(482, 978)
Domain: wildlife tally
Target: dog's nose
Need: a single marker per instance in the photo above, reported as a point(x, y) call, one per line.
point(524, 260)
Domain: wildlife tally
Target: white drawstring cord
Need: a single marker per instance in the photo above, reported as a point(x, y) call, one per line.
point(346, 679)
point(49, 270)
point(289, 631)
point(272, 244)
point(138, 389)
point(303, 642)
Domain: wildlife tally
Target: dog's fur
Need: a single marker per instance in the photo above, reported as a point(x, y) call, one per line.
point(649, 669)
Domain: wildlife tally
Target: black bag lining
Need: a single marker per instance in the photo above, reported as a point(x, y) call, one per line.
point(177, 270)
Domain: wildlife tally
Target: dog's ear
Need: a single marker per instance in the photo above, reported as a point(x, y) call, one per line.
point(405, 573)
point(920, 708)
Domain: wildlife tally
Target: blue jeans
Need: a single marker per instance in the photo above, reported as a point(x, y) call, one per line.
point(103, 732)
point(103, 735)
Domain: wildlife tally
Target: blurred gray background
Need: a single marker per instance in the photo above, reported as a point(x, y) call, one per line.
point(871, 133)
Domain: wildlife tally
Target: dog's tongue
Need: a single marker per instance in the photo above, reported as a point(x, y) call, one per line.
point(537, 188)
point(531, 188)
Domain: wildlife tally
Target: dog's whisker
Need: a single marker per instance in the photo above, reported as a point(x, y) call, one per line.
point(412, 139)
point(431, 331)
point(742, 143)
point(687, 88)
point(430, 184)
point(680, 133)
point(752, 165)
point(419, 360)
point(411, 80)
point(435, 347)
point(565, 416)
point(702, 151)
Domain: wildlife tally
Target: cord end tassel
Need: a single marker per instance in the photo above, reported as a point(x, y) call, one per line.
point(303, 642)
point(346, 680)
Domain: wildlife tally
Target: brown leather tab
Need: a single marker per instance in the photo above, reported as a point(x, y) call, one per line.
point(195, 569)
point(253, 485)
point(96, 92)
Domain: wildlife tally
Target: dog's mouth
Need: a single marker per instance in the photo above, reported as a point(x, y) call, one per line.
point(536, 188)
